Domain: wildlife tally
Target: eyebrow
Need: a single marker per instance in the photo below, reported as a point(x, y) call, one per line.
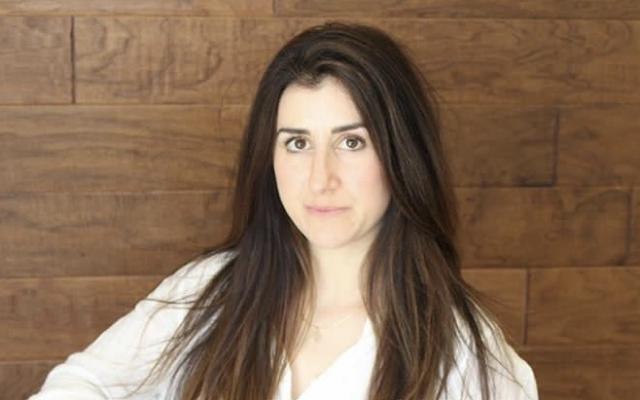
point(337, 129)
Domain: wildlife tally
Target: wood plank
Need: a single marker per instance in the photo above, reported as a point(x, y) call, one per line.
point(139, 7)
point(503, 227)
point(634, 243)
point(20, 379)
point(35, 60)
point(586, 372)
point(619, 9)
point(478, 61)
point(532, 62)
point(118, 148)
point(175, 60)
point(508, 288)
point(72, 312)
point(67, 234)
point(599, 145)
point(500, 146)
point(584, 306)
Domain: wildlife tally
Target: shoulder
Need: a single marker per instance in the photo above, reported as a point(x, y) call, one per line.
point(190, 278)
point(510, 376)
point(204, 267)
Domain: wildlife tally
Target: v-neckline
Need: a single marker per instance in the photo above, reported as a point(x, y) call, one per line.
point(339, 358)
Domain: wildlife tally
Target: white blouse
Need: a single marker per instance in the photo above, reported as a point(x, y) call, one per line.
point(123, 355)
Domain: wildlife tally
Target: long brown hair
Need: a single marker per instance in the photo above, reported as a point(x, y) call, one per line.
point(250, 313)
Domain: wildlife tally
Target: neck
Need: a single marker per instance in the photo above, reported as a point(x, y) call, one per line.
point(337, 274)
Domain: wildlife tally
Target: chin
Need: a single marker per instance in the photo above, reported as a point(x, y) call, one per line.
point(327, 240)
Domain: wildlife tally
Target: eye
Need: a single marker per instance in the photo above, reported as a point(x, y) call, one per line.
point(295, 144)
point(353, 142)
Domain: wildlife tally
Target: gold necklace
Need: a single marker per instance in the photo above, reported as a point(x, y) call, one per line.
point(316, 335)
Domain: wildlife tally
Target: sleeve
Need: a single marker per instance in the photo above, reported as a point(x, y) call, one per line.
point(510, 376)
point(117, 361)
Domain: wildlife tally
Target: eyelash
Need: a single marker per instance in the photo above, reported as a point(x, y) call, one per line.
point(294, 138)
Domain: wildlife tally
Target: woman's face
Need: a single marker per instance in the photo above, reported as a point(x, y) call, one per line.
point(330, 180)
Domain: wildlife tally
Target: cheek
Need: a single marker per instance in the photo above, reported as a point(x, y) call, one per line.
point(287, 179)
point(368, 186)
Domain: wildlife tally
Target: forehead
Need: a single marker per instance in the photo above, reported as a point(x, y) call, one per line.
point(327, 104)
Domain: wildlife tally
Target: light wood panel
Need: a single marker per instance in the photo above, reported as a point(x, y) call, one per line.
point(494, 9)
point(35, 60)
point(575, 306)
point(71, 234)
point(118, 148)
point(544, 226)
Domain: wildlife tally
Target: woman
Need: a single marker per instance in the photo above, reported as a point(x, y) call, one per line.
point(340, 277)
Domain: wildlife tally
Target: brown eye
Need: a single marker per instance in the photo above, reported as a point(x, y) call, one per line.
point(353, 143)
point(297, 142)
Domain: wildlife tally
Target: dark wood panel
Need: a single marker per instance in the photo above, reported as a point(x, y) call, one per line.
point(476, 61)
point(625, 9)
point(599, 145)
point(20, 379)
point(586, 373)
point(508, 288)
point(500, 146)
point(35, 60)
point(584, 306)
point(118, 148)
point(66, 234)
point(544, 226)
point(139, 7)
point(532, 62)
point(634, 246)
point(72, 312)
point(175, 60)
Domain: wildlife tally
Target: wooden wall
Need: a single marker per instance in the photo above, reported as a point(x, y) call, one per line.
point(119, 121)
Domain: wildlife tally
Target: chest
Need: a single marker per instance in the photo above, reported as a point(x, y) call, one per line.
point(317, 355)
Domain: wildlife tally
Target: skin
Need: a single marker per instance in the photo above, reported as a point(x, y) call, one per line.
point(326, 169)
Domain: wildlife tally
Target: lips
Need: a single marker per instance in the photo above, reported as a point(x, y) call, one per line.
point(325, 209)
point(320, 208)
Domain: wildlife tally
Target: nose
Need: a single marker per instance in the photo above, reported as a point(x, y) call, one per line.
point(322, 176)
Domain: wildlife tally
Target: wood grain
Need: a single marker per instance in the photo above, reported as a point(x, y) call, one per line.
point(598, 9)
point(599, 145)
point(118, 148)
point(219, 61)
point(634, 243)
point(71, 234)
point(35, 60)
point(72, 312)
point(579, 306)
point(139, 7)
point(175, 60)
point(543, 227)
point(532, 62)
point(508, 288)
point(20, 379)
point(586, 372)
point(500, 146)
